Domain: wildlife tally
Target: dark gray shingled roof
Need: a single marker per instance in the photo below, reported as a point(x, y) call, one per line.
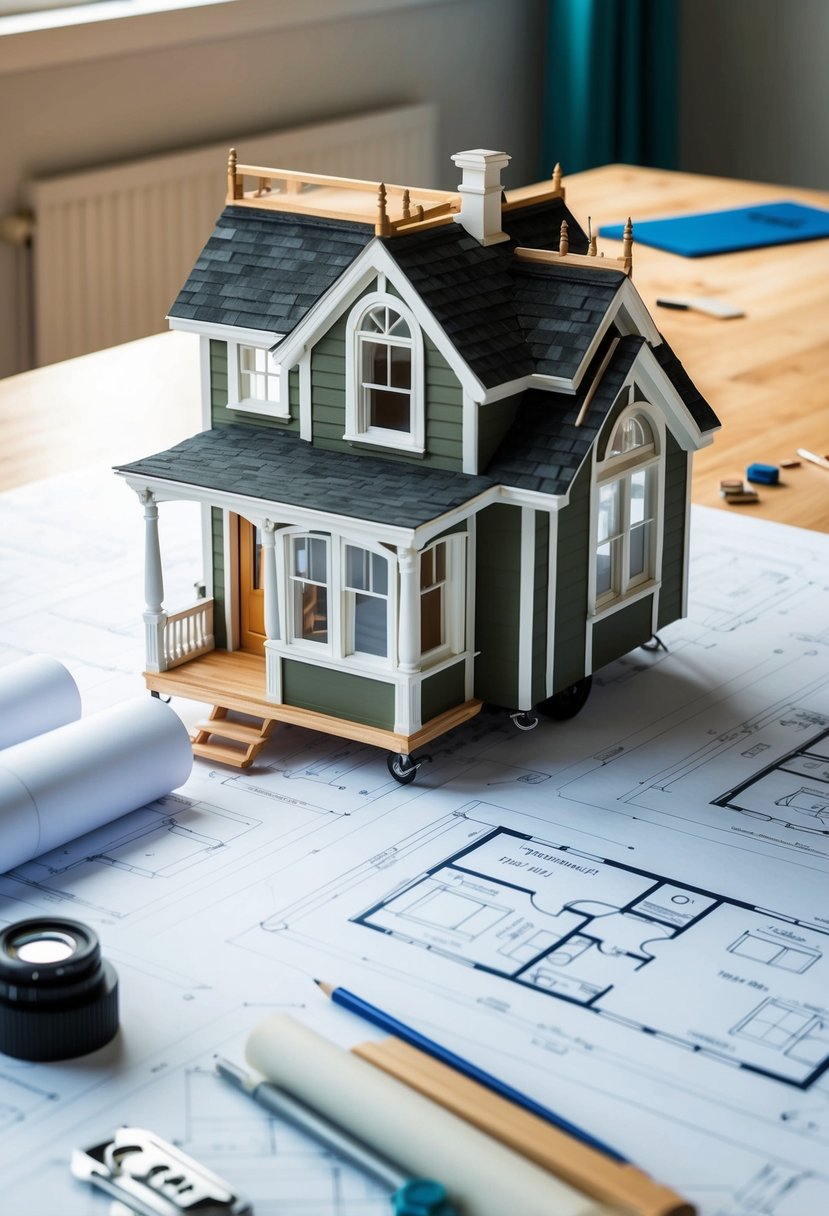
point(506, 317)
point(559, 309)
point(279, 467)
point(265, 269)
point(544, 448)
point(697, 406)
point(542, 452)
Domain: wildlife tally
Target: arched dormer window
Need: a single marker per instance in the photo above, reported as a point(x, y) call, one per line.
point(384, 400)
point(626, 509)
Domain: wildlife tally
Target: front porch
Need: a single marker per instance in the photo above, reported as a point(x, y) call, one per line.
point(236, 680)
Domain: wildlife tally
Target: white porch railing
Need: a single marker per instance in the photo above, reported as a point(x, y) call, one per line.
point(183, 636)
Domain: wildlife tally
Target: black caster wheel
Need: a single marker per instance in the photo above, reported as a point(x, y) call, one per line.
point(524, 721)
point(402, 768)
point(655, 643)
point(568, 702)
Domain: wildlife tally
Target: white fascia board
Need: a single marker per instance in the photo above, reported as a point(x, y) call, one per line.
point(535, 498)
point(227, 333)
point(658, 389)
point(553, 384)
point(629, 298)
point(497, 493)
point(428, 531)
point(372, 262)
point(164, 490)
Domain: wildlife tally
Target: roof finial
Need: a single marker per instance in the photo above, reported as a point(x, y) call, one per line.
point(407, 212)
point(591, 238)
point(557, 178)
point(627, 248)
point(381, 224)
point(564, 240)
point(234, 185)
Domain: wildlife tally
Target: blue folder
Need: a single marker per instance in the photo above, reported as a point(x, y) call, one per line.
point(696, 236)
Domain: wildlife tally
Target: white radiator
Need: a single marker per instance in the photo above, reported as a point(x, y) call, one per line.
point(113, 245)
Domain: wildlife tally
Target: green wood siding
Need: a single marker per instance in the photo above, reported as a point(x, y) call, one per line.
point(443, 403)
point(442, 691)
point(673, 547)
point(498, 548)
point(572, 568)
point(328, 388)
point(338, 693)
point(540, 588)
point(218, 548)
point(220, 415)
point(622, 631)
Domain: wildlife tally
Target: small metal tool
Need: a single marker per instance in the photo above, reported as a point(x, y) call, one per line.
point(146, 1176)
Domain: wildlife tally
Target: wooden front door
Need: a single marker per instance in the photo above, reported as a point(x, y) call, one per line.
point(251, 589)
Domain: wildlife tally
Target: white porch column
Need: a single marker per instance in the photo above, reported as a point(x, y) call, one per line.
point(155, 618)
point(269, 579)
point(273, 662)
point(408, 641)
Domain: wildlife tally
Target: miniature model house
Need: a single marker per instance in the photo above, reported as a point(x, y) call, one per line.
point(445, 461)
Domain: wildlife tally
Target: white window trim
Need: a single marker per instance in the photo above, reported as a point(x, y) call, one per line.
point(454, 605)
point(253, 405)
point(334, 652)
point(412, 441)
point(615, 468)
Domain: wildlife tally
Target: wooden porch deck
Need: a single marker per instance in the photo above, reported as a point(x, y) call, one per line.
point(236, 680)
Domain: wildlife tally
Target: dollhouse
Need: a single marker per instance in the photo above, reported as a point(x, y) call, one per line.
point(445, 460)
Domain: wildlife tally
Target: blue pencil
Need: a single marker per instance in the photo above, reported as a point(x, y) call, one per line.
point(370, 1013)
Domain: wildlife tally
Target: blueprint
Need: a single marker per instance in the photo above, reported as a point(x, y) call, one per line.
point(625, 914)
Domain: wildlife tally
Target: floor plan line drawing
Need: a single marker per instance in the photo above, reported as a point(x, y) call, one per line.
point(584, 929)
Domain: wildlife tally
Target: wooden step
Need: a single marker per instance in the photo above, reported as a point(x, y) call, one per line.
point(222, 753)
point(209, 741)
point(242, 732)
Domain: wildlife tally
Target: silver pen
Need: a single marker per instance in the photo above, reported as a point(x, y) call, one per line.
point(280, 1103)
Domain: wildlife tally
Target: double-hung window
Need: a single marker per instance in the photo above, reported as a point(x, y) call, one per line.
point(625, 542)
point(339, 597)
point(384, 403)
point(255, 381)
point(310, 574)
point(366, 602)
point(442, 599)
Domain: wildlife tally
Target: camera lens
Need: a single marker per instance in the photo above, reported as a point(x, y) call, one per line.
point(58, 997)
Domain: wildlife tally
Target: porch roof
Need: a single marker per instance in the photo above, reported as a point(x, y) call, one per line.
point(279, 467)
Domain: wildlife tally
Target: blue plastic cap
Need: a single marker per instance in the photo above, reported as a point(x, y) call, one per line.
point(765, 474)
point(422, 1197)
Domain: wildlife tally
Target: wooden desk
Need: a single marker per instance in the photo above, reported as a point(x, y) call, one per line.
point(766, 374)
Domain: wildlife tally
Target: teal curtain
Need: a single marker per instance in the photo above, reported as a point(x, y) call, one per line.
point(611, 84)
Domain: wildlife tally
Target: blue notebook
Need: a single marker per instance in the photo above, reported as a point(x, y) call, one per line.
point(696, 236)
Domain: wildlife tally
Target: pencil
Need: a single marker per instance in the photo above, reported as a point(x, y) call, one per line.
point(356, 1004)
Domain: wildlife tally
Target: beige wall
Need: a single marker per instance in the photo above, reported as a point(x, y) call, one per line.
point(476, 58)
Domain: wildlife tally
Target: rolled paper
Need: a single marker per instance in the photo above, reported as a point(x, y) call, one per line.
point(56, 787)
point(37, 694)
point(484, 1177)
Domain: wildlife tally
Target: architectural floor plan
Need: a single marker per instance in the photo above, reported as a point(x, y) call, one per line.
point(626, 911)
point(611, 939)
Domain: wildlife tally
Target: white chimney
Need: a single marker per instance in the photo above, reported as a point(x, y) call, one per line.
point(480, 193)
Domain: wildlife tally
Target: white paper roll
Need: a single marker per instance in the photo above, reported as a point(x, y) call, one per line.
point(58, 786)
point(414, 1132)
point(37, 694)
